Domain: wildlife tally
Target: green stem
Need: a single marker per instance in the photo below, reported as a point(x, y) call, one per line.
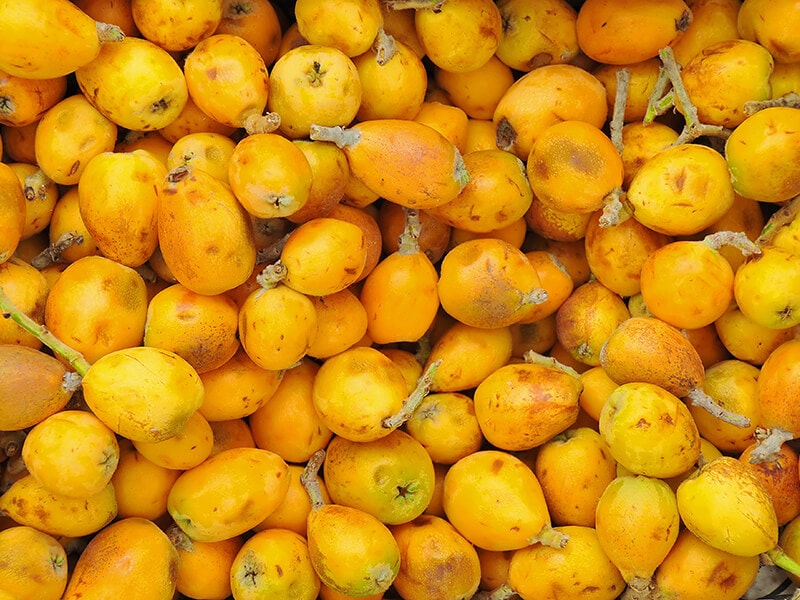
point(660, 100)
point(737, 239)
point(534, 358)
point(40, 332)
point(550, 537)
point(414, 399)
point(779, 219)
point(784, 561)
point(106, 33)
point(52, 254)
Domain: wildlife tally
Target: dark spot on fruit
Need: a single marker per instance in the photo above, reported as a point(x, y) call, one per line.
point(496, 466)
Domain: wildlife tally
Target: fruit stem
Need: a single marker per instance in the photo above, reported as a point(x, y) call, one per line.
point(385, 47)
point(502, 592)
point(660, 100)
point(338, 135)
point(550, 537)
point(769, 444)
point(639, 588)
point(179, 538)
point(460, 173)
point(790, 100)
point(52, 254)
point(272, 275)
point(106, 32)
point(257, 123)
point(618, 115)
point(535, 296)
point(434, 5)
point(411, 403)
point(616, 209)
point(532, 357)
point(737, 239)
point(40, 332)
point(692, 128)
point(409, 239)
point(779, 219)
point(272, 252)
point(697, 397)
point(780, 559)
point(310, 479)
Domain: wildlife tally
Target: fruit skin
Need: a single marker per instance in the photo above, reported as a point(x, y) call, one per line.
point(27, 502)
point(578, 571)
point(12, 212)
point(228, 494)
point(495, 501)
point(763, 155)
point(136, 84)
point(31, 388)
point(46, 39)
point(649, 430)
point(637, 524)
point(764, 288)
point(727, 506)
point(143, 393)
point(436, 562)
point(131, 557)
point(33, 565)
point(352, 551)
point(777, 388)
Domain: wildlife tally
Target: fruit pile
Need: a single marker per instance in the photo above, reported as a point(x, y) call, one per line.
point(417, 299)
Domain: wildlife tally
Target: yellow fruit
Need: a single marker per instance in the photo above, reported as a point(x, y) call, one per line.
point(33, 565)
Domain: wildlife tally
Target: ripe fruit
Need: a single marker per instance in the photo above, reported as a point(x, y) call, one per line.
point(351, 551)
point(521, 406)
point(119, 204)
point(131, 556)
point(435, 560)
point(135, 84)
point(71, 453)
point(390, 478)
point(752, 152)
point(459, 36)
point(165, 24)
point(50, 38)
point(203, 567)
point(143, 393)
point(34, 564)
point(488, 283)
point(274, 563)
point(194, 205)
point(649, 431)
point(627, 32)
point(314, 84)
point(637, 525)
point(384, 154)
point(228, 494)
point(762, 287)
point(347, 25)
point(573, 167)
point(682, 190)
point(727, 506)
point(495, 501)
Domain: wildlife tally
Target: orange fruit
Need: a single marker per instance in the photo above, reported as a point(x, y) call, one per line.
point(313, 85)
point(747, 340)
point(573, 167)
point(712, 21)
point(34, 564)
point(537, 34)
point(209, 151)
point(770, 24)
point(478, 91)
point(203, 567)
point(347, 25)
point(641, 85)
point(761, 288)
point(342, 321)
point(393, 83)
point(459, 36)
point(330, 174)
point(27, 289)
point(257, 22)
point(185, 450)
point(26, 100)
point(629, 31)
point(141, 487)
point(446, 426)
point(488, 283)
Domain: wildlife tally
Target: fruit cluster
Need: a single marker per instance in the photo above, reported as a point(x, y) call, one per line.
point(418, 299)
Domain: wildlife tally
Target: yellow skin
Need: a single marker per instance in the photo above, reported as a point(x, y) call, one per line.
point(637, 524)
point(274, 563)
point(136, 84)
point(72, 453)
point(228, 493)
point(391, 478)
point(143, 393)
point(579, 570)
point(119, 204)
point(762, 288)
point(34, 564)
point(649, 431)
point(27, 288)
point(28, 503)
point(727, 506)
point(352, 551)
point(131, 557)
